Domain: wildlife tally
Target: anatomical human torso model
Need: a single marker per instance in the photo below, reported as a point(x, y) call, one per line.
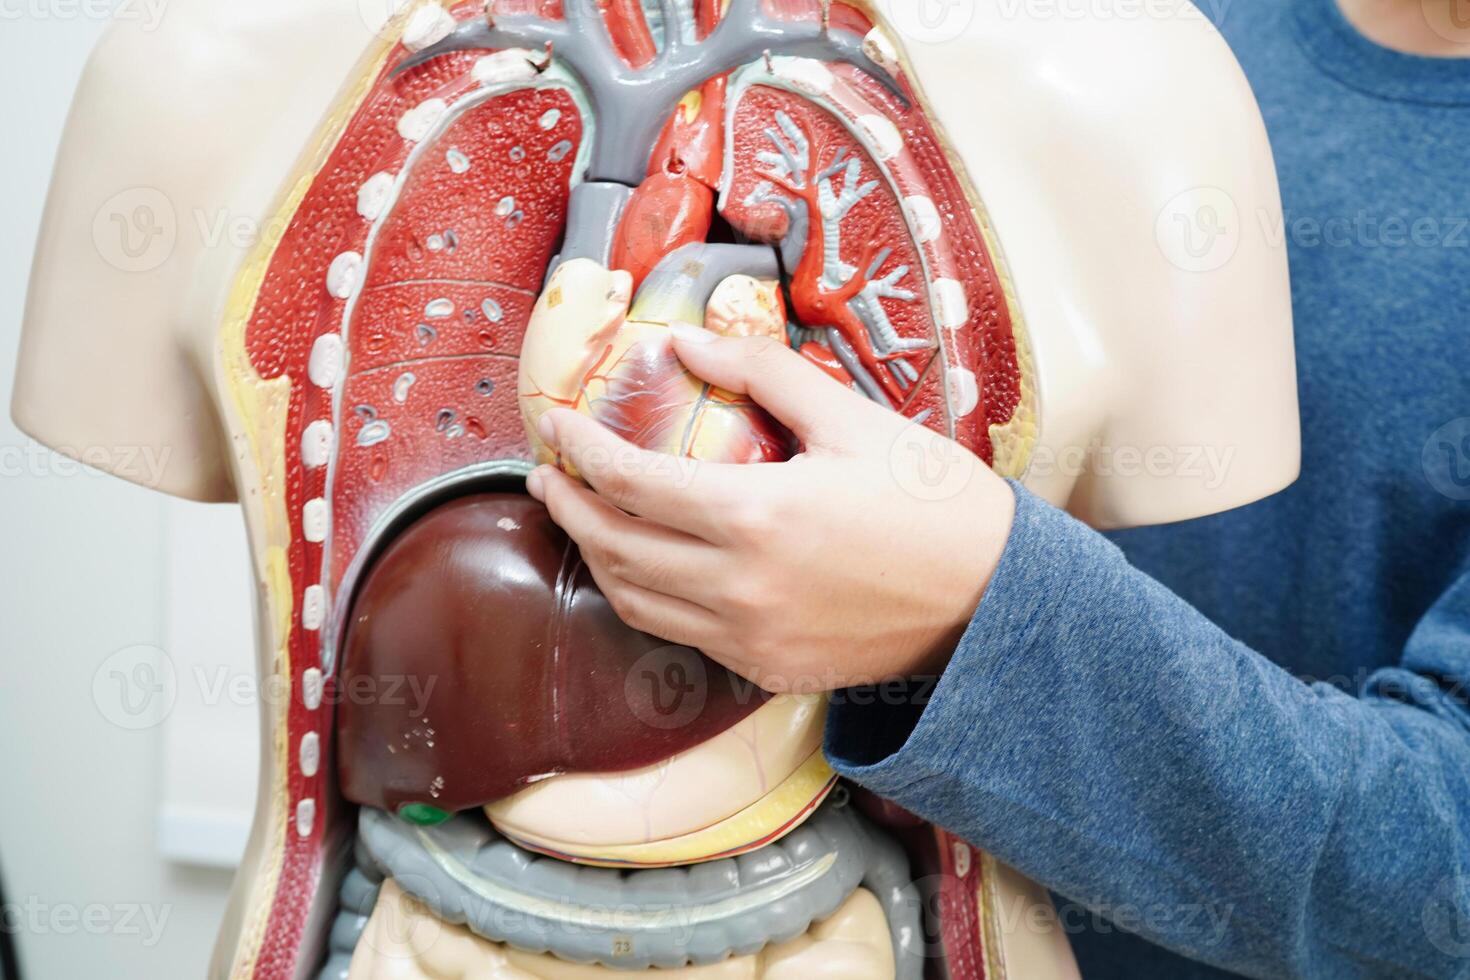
point(469, 215)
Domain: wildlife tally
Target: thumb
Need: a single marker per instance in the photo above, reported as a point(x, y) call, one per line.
point(820, 411)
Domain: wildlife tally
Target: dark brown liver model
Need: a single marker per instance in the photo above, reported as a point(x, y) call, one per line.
point(480, 656)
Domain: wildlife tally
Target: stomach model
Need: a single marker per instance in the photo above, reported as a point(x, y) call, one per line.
point(505, 215)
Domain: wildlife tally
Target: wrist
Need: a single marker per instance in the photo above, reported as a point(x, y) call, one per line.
point(996, 505)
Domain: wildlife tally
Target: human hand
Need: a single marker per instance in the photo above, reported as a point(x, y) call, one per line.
point(860, 560)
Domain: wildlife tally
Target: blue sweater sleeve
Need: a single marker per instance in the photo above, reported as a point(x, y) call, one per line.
point(1097, 732)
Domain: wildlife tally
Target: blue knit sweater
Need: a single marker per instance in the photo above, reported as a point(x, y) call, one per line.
point(1242, 744)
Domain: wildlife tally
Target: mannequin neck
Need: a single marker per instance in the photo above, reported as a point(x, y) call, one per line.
point(1410, 26)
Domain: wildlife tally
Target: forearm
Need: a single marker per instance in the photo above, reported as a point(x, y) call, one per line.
point(1096, 731)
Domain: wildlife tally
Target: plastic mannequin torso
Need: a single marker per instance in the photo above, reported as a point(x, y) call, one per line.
point(1122, 207)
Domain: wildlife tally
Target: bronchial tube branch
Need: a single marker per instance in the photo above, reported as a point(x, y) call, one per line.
point(634, 103)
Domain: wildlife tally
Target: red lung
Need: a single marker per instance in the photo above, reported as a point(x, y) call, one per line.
point(447, 286)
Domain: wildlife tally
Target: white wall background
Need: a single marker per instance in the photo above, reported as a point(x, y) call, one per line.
point(109, 822)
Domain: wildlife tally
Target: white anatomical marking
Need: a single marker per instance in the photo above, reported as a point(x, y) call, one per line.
point(313, 607)
point(317, 440)
point(305, 816)
point(342, 274)
point(439, 308)
point(324, 366)
point(886, 140)
point(311, 688)
point(549, 118)
point(314, 520)
point(961, 858)
point(951, 307)
point(510, 65)
point(964, 392)
point(373, 432)
point(415, 123)
point(804, 74)
point(923, 217)
point(310, 755)
point(506, 206)
point(457, 161)
point(879, 46)
point(429, 24)
point(401, 385)
point(372, 196)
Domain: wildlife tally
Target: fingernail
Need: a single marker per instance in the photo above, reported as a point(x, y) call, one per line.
point(535, 484)
point(547, 429)
point(689, 333)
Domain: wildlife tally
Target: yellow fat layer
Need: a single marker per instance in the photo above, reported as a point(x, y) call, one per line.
point(256, 410)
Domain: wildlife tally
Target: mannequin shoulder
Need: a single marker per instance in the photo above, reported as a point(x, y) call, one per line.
point(1122, 157)
point(1149, 75)
point(185, 121)
point(178, 47)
